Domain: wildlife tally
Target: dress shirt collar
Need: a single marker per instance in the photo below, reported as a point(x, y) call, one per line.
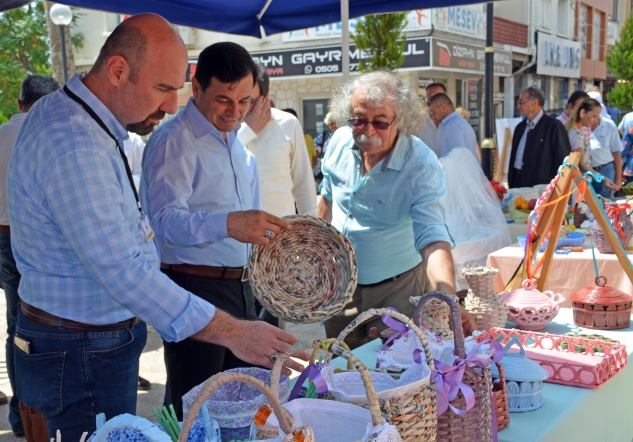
point(18, 117)
point(76, 85)
point(395, 158)
point(200, 126)
point(449, 117)
point(534, 122)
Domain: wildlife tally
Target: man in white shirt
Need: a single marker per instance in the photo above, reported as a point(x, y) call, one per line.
point(456, 132)
point(276, 140)
point(133, 148)
point(605, 155)
point(431, 133)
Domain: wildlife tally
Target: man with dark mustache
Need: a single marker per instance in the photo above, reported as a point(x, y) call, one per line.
point(384, 189)
point(201, 189)
point(84, 246)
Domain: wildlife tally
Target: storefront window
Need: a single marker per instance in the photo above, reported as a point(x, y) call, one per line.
point(595, 41)
point(583, 17)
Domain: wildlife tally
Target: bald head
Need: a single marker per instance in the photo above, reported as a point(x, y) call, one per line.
point(139, 71)
point(440, 106)
point(134, 40)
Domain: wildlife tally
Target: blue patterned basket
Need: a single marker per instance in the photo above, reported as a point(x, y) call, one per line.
point(234, 404)
point(573, 239)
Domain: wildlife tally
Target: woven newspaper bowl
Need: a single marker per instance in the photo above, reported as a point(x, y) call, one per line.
point(531, 309)
point(301, 434)
point(500, 398)
point(306, 274)
point(476, 424)
point(569, 360)
point(320, 411)
point(414, 414)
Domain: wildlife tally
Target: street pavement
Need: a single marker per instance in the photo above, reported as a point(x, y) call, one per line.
point(152, 368)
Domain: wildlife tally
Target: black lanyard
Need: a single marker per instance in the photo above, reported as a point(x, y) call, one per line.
point(100, 122)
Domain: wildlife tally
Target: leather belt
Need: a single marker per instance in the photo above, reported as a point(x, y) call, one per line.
point(388, 280)
point(597, 169)
point(240, 273)
point(5, 229)
point(40, 317)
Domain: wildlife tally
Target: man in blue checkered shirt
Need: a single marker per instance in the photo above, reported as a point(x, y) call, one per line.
point(85, 249)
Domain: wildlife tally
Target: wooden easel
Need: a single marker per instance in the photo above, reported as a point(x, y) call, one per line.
point(552, 219)
point(507, 146)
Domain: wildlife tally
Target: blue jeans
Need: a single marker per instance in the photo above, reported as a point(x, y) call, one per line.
point(10, 282)
point(73, 375)
point(607, 171)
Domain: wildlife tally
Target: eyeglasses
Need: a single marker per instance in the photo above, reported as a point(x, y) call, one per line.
point(362, 122)
point(521, 101)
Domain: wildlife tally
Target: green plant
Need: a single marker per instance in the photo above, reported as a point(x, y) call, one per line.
point(620, 61)
point(380, 36)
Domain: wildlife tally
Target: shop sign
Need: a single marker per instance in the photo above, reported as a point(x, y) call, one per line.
point(458, 56)
point(557, 57)
point(462, 20)
point(328, 60)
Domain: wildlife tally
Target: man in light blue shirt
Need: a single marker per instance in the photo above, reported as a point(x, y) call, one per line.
point(456, 132)
point(200, 186)
point(384, 189)
point(82, 243)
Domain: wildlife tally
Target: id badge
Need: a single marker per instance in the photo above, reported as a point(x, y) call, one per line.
point(147, 229)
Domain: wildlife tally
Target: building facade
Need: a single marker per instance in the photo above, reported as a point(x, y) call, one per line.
point(557, 45)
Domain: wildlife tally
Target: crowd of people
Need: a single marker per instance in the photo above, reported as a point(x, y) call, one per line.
point(541, 142)
point(94, 245)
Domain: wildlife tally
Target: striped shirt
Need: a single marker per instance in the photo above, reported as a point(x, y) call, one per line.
point(75, 226)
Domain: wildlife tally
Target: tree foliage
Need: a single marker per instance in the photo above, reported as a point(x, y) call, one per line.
point(23, 50)
point(620, 62)
point(380, 36)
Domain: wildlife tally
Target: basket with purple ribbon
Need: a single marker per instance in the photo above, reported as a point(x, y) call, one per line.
point(332, 420)
point(464, 388)
point(408, 402)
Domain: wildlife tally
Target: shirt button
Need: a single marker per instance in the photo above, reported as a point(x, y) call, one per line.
point(351, 215)
point(354, 193)
point(358, 167)
point(379, 201)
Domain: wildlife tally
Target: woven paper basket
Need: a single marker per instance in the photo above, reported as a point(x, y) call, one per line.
point(500, 399)
point(297, 434)
point(414, 414)
point(625, 227)
point(382, 430)
point(306, 274)
point(476, 424)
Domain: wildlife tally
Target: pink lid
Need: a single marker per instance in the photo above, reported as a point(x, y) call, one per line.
point(600, 294)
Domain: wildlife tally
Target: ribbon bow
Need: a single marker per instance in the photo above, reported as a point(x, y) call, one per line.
point(312, 371)
point(613, 212)
point(448, 378)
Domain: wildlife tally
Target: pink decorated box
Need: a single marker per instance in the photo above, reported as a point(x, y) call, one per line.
point(569, 360)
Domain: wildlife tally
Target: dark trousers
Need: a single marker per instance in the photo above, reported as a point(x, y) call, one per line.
point(190, 362)
point(10, 282)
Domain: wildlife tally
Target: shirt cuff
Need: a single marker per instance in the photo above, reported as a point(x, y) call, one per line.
point(215, 224)
point(194, 318)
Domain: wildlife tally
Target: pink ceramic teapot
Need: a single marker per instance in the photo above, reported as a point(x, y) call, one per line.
point(531, 309)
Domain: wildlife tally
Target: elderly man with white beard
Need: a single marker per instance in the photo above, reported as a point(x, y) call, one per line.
point(384, 189)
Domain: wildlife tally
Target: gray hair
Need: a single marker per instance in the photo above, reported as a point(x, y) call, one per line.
point(380, 88)
point(535, 93)
point(35, 87)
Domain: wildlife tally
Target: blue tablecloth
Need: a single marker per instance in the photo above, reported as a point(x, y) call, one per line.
point(568, 414)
